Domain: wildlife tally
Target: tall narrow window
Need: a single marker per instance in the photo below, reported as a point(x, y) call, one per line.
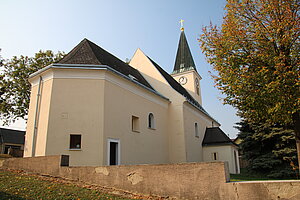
point(215, 156)
point(151, 121)
point(196, 130)
point(75, 141)
point(135, 124)
point(197, 86)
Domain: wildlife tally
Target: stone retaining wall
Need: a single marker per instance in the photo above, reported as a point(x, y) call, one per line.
point(184, 181)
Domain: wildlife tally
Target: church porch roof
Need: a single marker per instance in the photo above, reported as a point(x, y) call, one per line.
point(215, 136)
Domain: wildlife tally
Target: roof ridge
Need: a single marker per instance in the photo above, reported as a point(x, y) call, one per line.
point(89, 53)
point(73, 53)
point(89, 45)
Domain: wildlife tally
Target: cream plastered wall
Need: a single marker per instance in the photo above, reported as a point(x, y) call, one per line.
point(194, 144)
point(30, 122)
point(190, 85)
point(224, 153)
point(41, 118)
point(123, 100)
point(77, 107)
point(81, 100)
point(177, 147)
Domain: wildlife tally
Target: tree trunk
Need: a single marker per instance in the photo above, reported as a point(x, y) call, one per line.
point(296, 122)
point(298, 152)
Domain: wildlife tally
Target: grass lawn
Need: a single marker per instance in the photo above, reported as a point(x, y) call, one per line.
point(246, 176)
point(21, 186)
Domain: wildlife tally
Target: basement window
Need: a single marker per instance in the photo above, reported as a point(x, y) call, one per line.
point(135, 124)
point(75, 141)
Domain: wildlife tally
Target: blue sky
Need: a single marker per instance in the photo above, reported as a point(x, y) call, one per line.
point(120, 27)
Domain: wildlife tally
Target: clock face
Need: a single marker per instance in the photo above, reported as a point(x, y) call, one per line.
point(182, 80)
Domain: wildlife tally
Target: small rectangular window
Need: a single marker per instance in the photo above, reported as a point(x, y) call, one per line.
point(75, 141)
point(215, 156)
point(135, 124)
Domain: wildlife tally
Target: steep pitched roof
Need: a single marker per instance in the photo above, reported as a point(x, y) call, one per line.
point(184, 59)
point(12, 136)
point(176, 86)
point(215, 136)
point(87, 52)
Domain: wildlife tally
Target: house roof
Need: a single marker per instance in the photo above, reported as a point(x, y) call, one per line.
point(184, 60)
point(215, 136)
point(12, 136)
point(87, 52)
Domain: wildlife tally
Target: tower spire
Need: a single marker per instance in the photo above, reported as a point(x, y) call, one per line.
point(184, 59)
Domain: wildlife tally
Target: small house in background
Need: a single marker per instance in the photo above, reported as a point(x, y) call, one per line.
point(243, 162)
point(12, 142)
point(217, 146)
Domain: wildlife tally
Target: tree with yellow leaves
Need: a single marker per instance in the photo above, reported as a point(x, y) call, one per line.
point(255, 54)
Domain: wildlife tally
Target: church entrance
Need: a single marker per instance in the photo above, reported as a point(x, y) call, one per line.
point(113, 152)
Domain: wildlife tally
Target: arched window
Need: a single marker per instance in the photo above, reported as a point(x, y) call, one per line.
point(151, 121)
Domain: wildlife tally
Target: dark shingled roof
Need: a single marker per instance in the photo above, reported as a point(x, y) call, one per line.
point(12, 136)
point(176, 86)
point(215, 136)
point(184, 59)
point(87, 52)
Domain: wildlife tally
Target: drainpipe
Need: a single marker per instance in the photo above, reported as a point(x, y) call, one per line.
point(36, 118)
point(2, 143)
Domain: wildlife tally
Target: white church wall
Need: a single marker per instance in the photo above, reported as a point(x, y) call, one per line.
point(193, 143)
point(221, 153)
point(176, 139)
point(144, 145)
point(76, 104)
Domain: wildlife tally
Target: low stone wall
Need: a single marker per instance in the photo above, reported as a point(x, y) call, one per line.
point(191, 181)
point(184, 181)
point(42, 164)
point(267, 190)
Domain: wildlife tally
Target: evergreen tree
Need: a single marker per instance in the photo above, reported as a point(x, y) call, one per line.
point(269, 150)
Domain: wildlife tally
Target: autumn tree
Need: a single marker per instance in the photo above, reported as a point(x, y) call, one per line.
point(255, 54)
point(15, 88)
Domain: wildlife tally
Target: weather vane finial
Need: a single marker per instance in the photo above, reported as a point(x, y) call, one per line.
point(181, 23)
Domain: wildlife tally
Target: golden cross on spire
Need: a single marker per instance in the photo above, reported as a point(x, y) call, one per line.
point(181, 23)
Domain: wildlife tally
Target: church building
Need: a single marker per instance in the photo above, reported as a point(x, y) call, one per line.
point(102, 111)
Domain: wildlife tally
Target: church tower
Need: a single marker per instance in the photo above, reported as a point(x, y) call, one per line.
point(185, 71)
